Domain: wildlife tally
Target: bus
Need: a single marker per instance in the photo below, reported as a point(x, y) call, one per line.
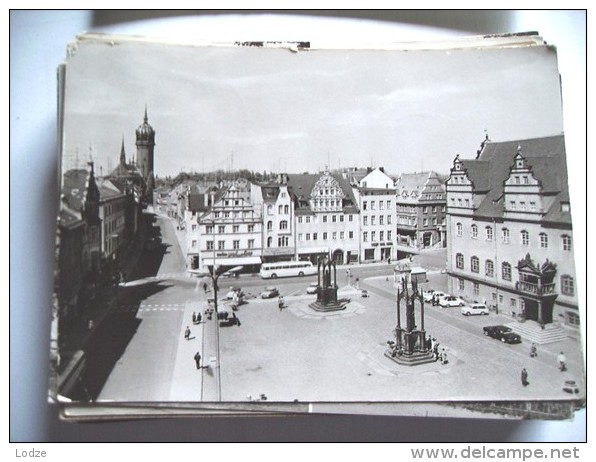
point(282, 269)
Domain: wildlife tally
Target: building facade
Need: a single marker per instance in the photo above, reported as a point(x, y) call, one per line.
point(420, 210)
point(326, 217)
point(375, 193)
point(145, 142)
point(510, 239)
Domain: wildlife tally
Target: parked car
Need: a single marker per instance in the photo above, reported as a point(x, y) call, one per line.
point(364, 293)
point(474, 309)
point(312, 288)
point(270, 292)
point(570, 386)
point(450, 301)
point(234, 292)
point(437, 296)
point(427, 295)
point(502, 333)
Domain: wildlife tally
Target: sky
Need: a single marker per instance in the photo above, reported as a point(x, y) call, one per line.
point(268, 109)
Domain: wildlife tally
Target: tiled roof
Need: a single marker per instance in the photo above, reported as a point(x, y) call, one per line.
point(546, 158)
point(301, 185)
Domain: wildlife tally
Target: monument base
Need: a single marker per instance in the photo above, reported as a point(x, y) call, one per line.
point(411, 359)
point(333, 306)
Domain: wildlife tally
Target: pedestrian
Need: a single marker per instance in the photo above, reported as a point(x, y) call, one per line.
point(562, 361)
point(281, 303)
point(444, 356)
point(187, 333)
point(198, 359)
point(533, 352)
point(524, 377)
point(199, 318)
point(194, 318)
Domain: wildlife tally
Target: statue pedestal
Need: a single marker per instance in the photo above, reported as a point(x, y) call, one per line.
point(327, 300)
point(411, 359)
point(411, 348)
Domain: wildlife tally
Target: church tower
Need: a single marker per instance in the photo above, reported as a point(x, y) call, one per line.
point(145, 145)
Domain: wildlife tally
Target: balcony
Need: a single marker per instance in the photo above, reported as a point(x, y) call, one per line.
point(538, 290)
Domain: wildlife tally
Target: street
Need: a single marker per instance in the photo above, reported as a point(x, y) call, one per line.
point(298, 354)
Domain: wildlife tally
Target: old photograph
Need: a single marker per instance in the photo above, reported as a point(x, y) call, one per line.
point(257, 223)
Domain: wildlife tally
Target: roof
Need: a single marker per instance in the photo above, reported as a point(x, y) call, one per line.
point(301, 186)
point(68, 218)
point(545, 157)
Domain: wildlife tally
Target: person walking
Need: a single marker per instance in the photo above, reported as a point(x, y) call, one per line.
point(533, 352)
point(187, 333)
point(198, 359)
point(524, 377)
point(562, 361)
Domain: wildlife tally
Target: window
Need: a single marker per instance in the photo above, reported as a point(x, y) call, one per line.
point(334, 235)
point(566, 242)
point(269, 226)
point(443, 208)
point(341, 234)
point(459, 201)
point(525, 179)
point(251, 243)
point(365, 220)
point(543, 240)
point(308, 236)
point(324, 236)
point(372, 205)
point(434, 221)
point(513, 302)
point(512, 205)
point(194, 243)
point(533, 206)
point(388, 219)
point(425, 209)
point(365, 236)
point(467, 202)
point(388, 204)
point(269, 241)
point(286, 209)
point(324, 218)
point(373, 236)
point(567, 285)
point(251, 228)
point(381, 204)
point(459, 229)
point(372, 220)
point(221, 229)
point(209, 245)
point(425, 222)
point(209, 229)
point(461, 284)
point(489, 233)
point(334, 218)
point(300, 237)
point(226, 214)
point(351, 234)
point(299, 219)
point(315, 236)
point(341, 218)
point(381, 235)
point(475, 264)
point(221, 245)
point(522, 205)
point(459, 261)
point(525, 237)
point(474, 231)
point(489, 268)
point(308, 219)
point(364, 205)
point(235, 228)
point(350, 218)
point(389, 235)
point(282, 241)
point(194, 227)
point(236, 244)
point(280, 209)
point(476, 288)
point(505, 235)
point(283, 224)
point(506, 271)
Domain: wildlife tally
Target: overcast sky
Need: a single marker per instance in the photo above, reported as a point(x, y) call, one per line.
point(277, 110)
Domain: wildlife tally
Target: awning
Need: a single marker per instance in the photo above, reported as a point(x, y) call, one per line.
point(321, 249)
point(235, 261)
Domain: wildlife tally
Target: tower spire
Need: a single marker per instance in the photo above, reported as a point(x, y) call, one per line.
point(122, 153)
point(146, 119)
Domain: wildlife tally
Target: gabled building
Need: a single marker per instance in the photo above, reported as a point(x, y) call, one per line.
point(420, 210)
point(277, 209)
point(375, 193)
point(510, 238)
point(229, 232)
point(326, 217)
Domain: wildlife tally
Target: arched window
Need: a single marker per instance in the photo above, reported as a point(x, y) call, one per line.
point(474, 231)
point(269, 241)
point(283, 224)
point(525, 237)
point(543, 240)
point(489, 268)
point(269, 209)
point(459, 261)
point(506, 271)
point(566, 241)
point(269, 225)
point(505, 235)
point(459, 228)
point(475, 264)
point(567, 285)
point(489, 233)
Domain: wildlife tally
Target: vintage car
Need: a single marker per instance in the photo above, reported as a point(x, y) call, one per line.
point(502, 333)
point(270, 292)
point(474, 309)
point(570, 386)
point(312, 288)
point(450, 301)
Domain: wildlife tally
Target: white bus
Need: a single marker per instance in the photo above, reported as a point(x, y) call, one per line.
point(282, 269)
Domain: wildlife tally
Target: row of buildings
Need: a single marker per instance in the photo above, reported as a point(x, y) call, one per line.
point(504, 217)
point(353, 217)
point(99, 218)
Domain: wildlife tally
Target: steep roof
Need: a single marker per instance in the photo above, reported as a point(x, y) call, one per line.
point(545, 157)
point(301, 186)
